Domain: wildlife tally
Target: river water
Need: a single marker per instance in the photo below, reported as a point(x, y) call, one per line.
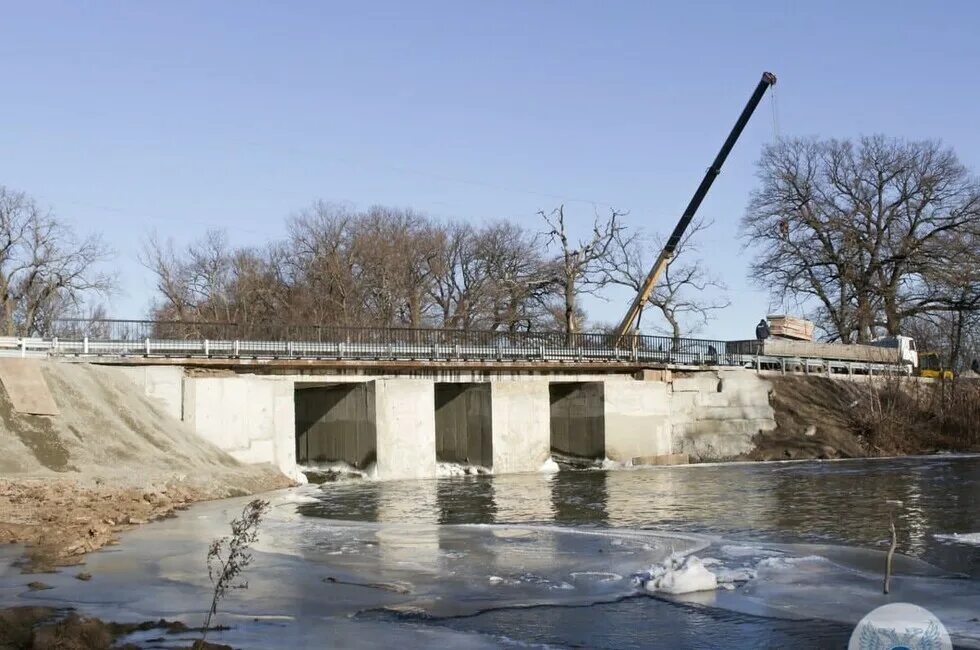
point(560, 559)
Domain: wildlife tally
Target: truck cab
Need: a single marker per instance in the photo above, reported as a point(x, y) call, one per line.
point(908, 355)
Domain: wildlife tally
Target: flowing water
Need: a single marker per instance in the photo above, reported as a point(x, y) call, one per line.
point(560, 559)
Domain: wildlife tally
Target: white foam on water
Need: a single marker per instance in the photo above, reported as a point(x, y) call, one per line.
point(338, 468)
point(549, 466)
point(444, 470)
point(608, 463)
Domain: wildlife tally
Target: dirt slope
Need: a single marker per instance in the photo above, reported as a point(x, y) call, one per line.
point(110, 459)
point(819, 417)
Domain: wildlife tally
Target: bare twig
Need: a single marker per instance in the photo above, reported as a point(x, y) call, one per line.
point(229, 556)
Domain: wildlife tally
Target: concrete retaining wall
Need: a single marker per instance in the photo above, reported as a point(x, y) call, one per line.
point(165, 384)
point(637, 420)
point(252, 418)
point(714, 415)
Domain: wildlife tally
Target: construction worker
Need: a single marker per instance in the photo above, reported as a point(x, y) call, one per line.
point(762, 330)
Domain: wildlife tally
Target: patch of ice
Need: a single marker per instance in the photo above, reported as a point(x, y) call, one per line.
point(728, 577)
point(596, 576)
point(732, 550)
point(299, 495)
point(781, 563)
point(681, 576)
point(971, 539)
point(549, 466)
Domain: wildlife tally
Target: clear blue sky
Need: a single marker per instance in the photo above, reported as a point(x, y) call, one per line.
point(128, 117)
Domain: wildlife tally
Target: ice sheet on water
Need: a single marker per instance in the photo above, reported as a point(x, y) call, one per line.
point(835, 583)
point(325, 571)
point(971, 539)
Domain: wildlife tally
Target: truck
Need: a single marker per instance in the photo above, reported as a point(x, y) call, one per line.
point(897, 351)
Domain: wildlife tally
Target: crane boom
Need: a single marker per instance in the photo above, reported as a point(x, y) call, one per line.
point(768, 79)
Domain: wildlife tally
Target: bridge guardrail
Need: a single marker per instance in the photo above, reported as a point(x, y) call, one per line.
point(231, 339)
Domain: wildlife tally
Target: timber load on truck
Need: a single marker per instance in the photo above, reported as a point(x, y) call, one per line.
point(786, 348)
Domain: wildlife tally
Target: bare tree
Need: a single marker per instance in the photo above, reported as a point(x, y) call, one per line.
point(46, 270)
point(679, 296)
point(381, 267)
point(850, 229)
point(579, 266)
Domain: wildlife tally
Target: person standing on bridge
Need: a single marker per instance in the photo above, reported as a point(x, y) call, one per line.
point(762, 330)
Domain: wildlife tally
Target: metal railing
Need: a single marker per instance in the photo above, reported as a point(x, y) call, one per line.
point(173, 338)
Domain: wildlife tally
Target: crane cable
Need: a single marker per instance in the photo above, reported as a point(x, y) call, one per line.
point(775, 114)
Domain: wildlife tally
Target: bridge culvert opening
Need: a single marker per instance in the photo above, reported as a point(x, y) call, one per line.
point(336, 422)
point(464, 432)
point(578, 428)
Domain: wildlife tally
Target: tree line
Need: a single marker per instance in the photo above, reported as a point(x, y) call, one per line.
point(866, 237)
point(389, 267)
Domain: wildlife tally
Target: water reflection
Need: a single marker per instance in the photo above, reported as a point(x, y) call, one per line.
point(524, 499)
point(838, 503)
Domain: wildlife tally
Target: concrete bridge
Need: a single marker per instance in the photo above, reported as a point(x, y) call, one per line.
point(506, 419)
point(399, 404)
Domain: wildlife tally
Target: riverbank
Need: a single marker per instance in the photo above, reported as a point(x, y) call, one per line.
point(110, 460)
point(50, 628)
point(823, 418)
point(60, 520)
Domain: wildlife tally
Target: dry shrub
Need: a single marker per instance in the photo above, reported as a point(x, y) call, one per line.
point(904, 415)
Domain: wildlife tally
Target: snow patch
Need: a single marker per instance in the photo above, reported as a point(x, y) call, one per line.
point(972, 539)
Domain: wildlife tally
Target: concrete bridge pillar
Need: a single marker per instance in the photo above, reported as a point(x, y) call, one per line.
point(521, 425)
point(406, 428)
